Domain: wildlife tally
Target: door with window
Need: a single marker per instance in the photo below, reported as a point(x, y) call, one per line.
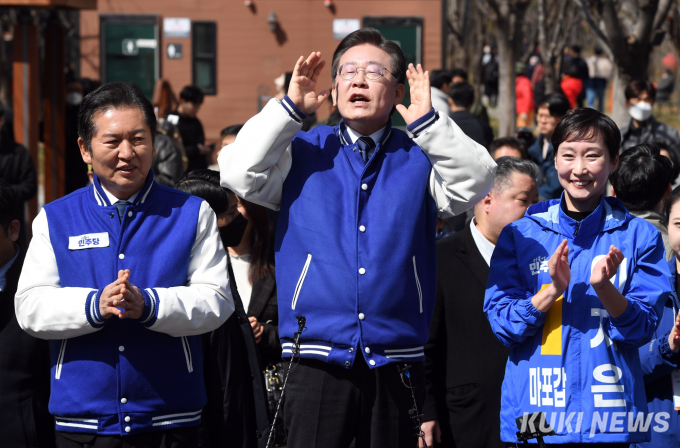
point(407, 33)
point(130, 50)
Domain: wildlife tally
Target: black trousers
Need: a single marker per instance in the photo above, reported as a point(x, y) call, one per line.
point(171, 438)
point(328, 406)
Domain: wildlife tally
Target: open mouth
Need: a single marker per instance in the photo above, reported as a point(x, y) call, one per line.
point(580, 183)
point(358, 99)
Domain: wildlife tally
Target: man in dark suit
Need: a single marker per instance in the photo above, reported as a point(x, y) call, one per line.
point(24, 360)
point(461, 99)
point(464, 362)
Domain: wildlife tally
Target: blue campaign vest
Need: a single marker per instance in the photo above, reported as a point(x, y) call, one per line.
point(355, 249)
point(125, 378)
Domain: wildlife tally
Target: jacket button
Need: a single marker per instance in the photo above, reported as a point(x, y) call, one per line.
point(128, 429)
point(351, 350)
point(362, 271)
point(362, 229)
point(123, 400)
point(367, 350)
point(371, 362)
point(130, 214)
point(361, 316)
point(127, 419)
point(111, 215)
point(364, 187)
point(121, 349)
point(347, 363)
point(121, 256)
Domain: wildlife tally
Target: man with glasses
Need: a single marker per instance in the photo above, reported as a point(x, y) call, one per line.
point(355, 243)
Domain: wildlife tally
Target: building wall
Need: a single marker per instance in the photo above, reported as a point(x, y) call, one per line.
point(249, 56)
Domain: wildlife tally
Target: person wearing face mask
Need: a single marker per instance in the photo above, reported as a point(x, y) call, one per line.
point(643, 127)
point(236, 411)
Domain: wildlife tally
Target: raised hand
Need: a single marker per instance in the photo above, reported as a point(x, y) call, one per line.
point(558, 267)
point(674, 336)
point(303, 83)
point(421, 102)
point(606, 268)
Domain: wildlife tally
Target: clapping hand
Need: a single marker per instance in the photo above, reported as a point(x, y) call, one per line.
point(606, 268)
point(559, 269)
point(421, 102)
point(303, 83)
point(674, 337)
point(121, 294)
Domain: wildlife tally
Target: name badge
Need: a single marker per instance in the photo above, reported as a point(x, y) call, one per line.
point(88, 241)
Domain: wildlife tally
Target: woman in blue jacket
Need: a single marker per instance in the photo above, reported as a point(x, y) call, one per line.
point(576, 286)
point(661, 357)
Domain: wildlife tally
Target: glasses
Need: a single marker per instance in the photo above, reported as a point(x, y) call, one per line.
point(373, 72)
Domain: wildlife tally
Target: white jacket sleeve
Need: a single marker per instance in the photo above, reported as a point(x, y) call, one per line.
point(257, 163)
point(43, 308)
point(462, 170)
point(205, 302)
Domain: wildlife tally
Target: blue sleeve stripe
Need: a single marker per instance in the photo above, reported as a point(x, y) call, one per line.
point(295, 113)
point(152, 302)
point(92, 313)
point(422, 123)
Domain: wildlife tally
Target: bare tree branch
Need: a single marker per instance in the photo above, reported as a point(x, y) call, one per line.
point(596, 29)
point(645, 21)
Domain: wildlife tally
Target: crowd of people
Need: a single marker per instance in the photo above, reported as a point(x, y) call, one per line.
point(428, 287)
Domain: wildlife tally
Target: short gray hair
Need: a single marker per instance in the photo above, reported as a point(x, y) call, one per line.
point(507, 166)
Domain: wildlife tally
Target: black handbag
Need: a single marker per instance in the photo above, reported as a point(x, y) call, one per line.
point(274, 376)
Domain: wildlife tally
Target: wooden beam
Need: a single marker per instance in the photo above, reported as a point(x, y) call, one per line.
point(26, 90)
point(54, 109)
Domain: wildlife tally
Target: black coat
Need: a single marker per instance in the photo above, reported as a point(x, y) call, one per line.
point(264, 306)
point(474, 128)
point(17, 169)
point(464, 362)
point(236, 412)
point(24, 377)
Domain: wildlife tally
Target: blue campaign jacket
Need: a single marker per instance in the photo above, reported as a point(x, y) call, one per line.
point(125, 375)
point(658, 362)
point(574, 362)
point(355, 249)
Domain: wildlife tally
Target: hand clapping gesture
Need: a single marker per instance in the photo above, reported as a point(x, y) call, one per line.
point(421, 102)
point(303, 84)
point(606, 268)
point(559, 269)
point(121, 294)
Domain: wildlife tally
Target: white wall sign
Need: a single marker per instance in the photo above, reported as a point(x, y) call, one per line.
point(342, 27)
point(176, 27)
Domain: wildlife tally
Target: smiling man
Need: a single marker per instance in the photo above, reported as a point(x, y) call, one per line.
point(124, 275)
point(355, 243)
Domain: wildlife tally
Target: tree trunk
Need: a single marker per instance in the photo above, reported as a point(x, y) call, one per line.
point(506, 83)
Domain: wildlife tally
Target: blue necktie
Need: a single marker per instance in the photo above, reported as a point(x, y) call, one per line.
point(120, 206)
point(366, 145)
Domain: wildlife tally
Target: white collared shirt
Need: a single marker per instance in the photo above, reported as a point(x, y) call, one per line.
point(376, 136)
point(485, 246)
point(113, 199)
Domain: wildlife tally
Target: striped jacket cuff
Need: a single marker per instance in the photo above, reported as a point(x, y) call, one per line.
point(422, 123)
point(92, 313)
point(151, 302)
point(295, 113)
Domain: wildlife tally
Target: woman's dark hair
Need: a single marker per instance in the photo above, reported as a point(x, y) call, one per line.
point(642, 177)
point(10, 205)
point(261, 242)
point(670, 203)
point(114, 95)
point(587, 125)
point(371, 36)
point(205, 185)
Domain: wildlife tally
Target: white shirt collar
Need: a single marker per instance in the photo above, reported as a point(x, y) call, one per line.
point(113, 199)
point(376, 136)
point(484, 246)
